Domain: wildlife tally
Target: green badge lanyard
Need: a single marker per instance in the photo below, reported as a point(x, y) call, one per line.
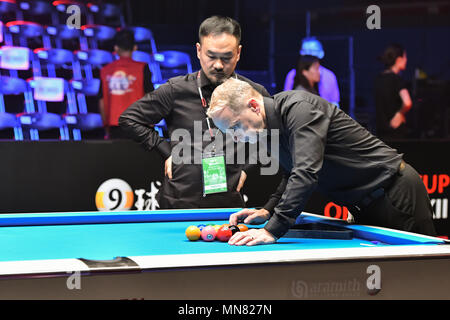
point(213, 163)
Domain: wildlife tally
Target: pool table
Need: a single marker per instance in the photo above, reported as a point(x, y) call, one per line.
point(146, 255)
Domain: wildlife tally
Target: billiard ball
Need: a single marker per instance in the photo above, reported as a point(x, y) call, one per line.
point(193, 233)
point(209, 233)
point(217, 227)
point(224, 234)
point(201, 226)
point(234, 229)
point(242, 227)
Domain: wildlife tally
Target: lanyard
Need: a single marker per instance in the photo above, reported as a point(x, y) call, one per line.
point(204, 105)
point(213, 164)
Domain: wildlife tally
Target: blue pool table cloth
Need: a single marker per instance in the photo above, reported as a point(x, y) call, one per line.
point(105, 236)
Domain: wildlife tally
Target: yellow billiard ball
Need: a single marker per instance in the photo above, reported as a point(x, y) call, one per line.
point(193, 233)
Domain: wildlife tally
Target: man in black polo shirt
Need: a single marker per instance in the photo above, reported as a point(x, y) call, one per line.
point(183, 102)
point(320, 147)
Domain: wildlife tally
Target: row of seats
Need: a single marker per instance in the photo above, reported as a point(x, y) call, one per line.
point(44, 86)
point(33, 35)
point(17, 33)
point(37, 64)
point(80, 63)
point(90, 36)
point(40, 91)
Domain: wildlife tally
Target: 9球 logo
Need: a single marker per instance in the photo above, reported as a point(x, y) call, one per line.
point(114, 194)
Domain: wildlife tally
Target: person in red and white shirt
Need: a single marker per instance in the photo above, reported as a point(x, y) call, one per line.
point(123, 82)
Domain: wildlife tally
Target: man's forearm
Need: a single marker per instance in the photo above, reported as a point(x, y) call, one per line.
point(276, 196)
point(101, 107)
point(147, 136)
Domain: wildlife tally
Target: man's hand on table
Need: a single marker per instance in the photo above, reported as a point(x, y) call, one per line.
point(249, 216)
point(253, 236)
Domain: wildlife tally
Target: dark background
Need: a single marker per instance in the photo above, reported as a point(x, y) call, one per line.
point(272, 32)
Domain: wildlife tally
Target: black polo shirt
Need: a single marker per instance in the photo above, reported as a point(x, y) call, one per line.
point(178, 102)
point(322, 148)
point(388, 102)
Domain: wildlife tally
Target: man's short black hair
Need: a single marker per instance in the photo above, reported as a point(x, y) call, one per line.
point(216, 25)
point(124, 39)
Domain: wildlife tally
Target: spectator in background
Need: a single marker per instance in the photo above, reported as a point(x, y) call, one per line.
point(307, 74)
point(392, 99)
point(328, 86)
point(123, 82)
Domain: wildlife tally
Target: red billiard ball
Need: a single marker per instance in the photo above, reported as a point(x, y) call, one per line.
point(224, 234)
point(209, 233)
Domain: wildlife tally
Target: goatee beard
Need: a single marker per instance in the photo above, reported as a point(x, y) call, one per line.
point(219, 80)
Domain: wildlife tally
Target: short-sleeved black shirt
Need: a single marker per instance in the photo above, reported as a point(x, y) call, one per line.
point(388, 103)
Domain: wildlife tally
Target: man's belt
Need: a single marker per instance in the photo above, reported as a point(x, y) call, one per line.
point(378, 193)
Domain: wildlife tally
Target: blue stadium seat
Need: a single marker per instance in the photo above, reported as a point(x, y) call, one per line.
point(146, 57)
point(2, 34)
point(38, 119)
point(87, 87)
point(39, 11)
point(18, 59)
point(10, 9)
point(12, 86)
point(174, 63)
point(63, 37)
point(96, 35)
point(82, 120)
point(108, 14)
point(62, 6)
point(144, 38)
point(53, 59)
point(147, 45)
point(92, 59)
point(26, 34)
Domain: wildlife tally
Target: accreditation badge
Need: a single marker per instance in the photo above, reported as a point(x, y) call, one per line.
point(214, 173)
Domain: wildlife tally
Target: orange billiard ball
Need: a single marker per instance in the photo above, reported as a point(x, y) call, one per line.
point(193, 233)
